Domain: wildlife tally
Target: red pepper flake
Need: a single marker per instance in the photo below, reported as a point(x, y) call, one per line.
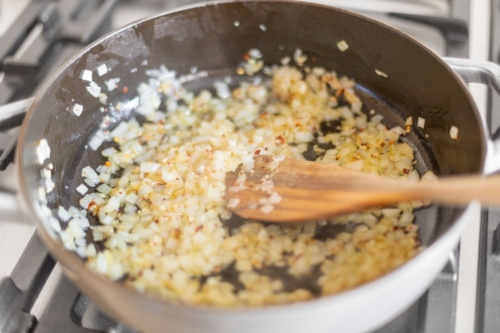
point(92, 207)
point(257, 152)
point(199, 228)
point(280, 140)
point(406, 171)
point(125, 90)
point(246, 57)
point(156, 221)
point(340, 92)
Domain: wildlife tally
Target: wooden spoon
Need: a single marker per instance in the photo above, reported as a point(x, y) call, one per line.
point(312, 191)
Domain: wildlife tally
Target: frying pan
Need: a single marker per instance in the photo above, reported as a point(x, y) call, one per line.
point(416, 83)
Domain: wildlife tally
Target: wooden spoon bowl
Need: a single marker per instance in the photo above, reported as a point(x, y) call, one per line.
point(311, 191)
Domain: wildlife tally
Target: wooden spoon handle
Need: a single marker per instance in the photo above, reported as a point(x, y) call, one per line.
point(462, 190)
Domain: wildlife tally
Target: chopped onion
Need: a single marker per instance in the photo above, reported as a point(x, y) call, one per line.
point(119, 130)
point(111, 84)
point(222, 89)
point(101, 70)
point(454, 132)
point(233, 203)
point(77, 109)
point(380, 73)
point(94, 89)
point(104, 189)
point(421, 122)
point(86, 75)
point(63, 214)
point(275, 198)
point(54, 223)
point(299, 57)
point(342, 45)
point(149, 167)
point(266, 209)
point(82, 189)
point(97, 140)
point(285, 60)
point(90, 176)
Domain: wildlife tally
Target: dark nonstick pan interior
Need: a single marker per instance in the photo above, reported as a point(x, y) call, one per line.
point(417, 85)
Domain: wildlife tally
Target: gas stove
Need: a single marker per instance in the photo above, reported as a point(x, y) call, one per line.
point(38, 36)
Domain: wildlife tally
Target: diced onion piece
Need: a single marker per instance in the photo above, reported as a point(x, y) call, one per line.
point(299, 57)
point(454, 132)
point(255, 53)
point(279, 157)
point(94, 89)
point(97, 140)
point(429, 176)
point(112, 205)
point(104, 189)
point(42, 151)
point(81, 251)
point(102, 69)
point(275, 198)
point(119, 130)
point(90, 176)
point(222, 89)
point(398, 130)
point(82, 189)
point(68, 241)
point(77, 109)
point(109, 152)
point(380, 73)
point(63, 214)
point(131, 198)
point(421, 122)
point(233, 203)
point(91, 250)
point(54, 223)
point(285, 60)
point(111, 84)
point(266, 209)
point(342, 45)
point(86, 75)
point(357, 165)
point(73, 211)
point(149, 167)
point(169, 176)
